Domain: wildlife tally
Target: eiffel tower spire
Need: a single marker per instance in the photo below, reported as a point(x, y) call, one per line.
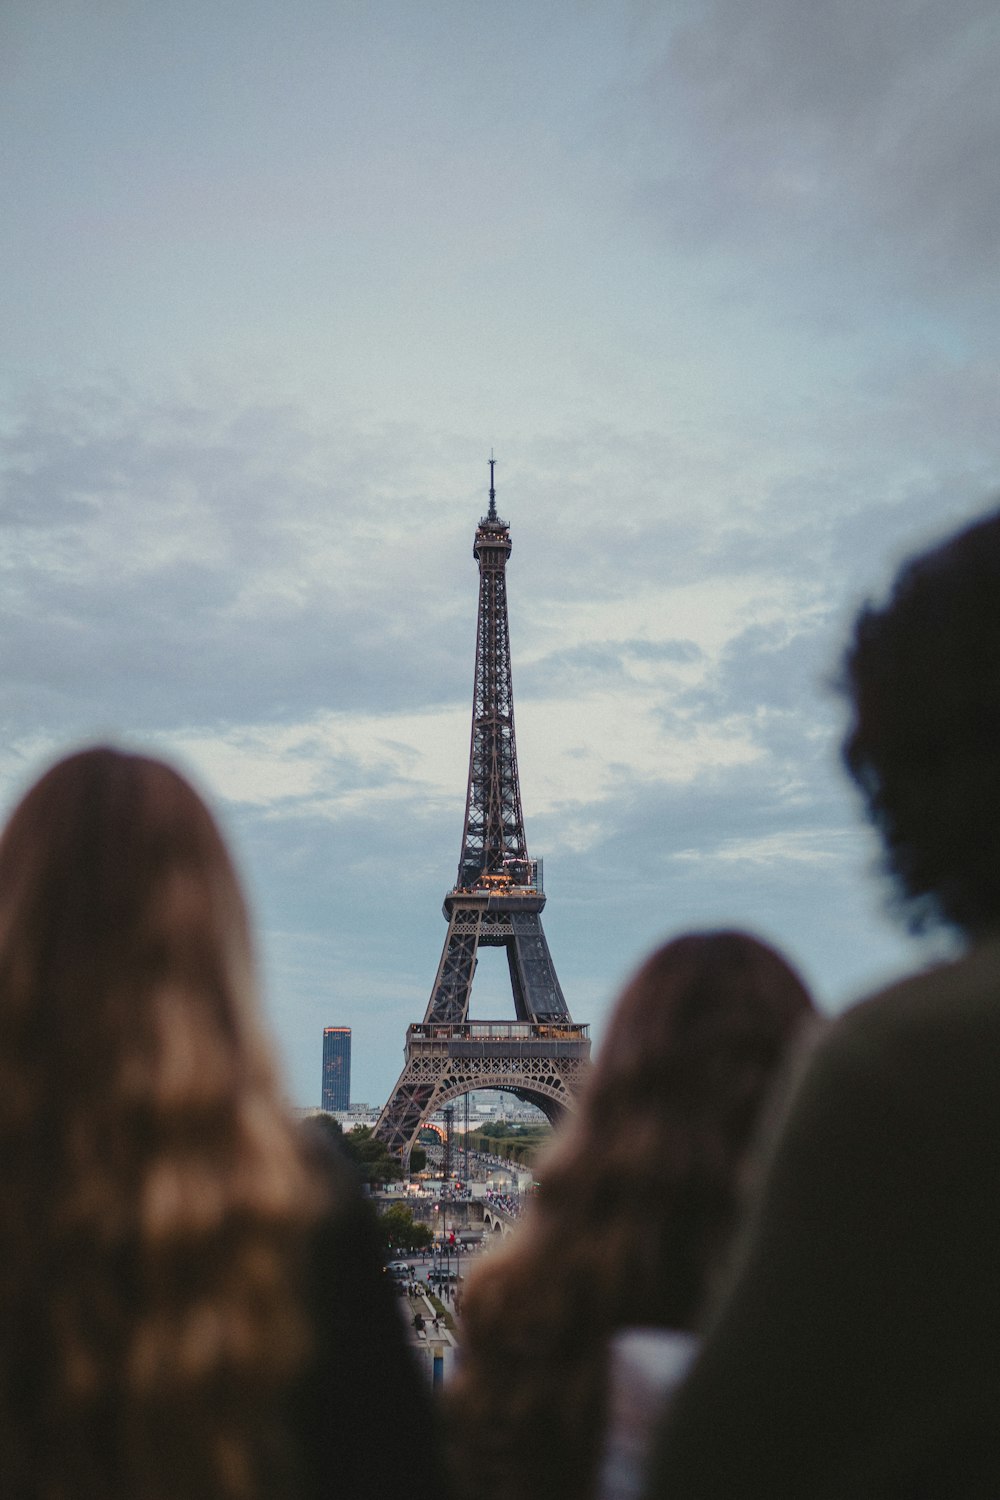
point(497, 901)
point(493, 839)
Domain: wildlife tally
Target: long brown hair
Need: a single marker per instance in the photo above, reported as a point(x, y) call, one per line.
point(154, 1204)
point(637, 1202)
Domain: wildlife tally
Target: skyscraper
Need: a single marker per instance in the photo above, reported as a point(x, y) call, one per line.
point(336, 1067)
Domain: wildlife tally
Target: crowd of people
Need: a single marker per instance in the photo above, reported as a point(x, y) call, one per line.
point(505, 1202)
point(762, 1259)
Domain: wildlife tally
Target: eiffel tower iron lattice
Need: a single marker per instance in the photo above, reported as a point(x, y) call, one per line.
point(497, 902)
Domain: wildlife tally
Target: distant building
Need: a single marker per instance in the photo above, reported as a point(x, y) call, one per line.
point(336, 1068)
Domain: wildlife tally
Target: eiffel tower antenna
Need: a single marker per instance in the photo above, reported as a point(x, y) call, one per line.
point(496, 901)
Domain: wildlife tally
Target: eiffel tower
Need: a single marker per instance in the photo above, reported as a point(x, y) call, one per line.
point(496, 902)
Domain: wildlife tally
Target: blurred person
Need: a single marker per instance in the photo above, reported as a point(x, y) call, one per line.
point(637, 1203)
point(168, 1241)
point(855, 1353)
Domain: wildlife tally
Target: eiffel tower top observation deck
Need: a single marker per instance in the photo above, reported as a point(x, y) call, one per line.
point(496, 901)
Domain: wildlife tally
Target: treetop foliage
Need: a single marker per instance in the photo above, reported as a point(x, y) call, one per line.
point(372, 1158)
point(400, 1231)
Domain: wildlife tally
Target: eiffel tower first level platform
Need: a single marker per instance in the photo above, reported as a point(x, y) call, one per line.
point(541, 1056)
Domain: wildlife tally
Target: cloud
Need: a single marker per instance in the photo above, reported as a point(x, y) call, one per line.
point(814, 846)
point(828, 133)
point(169, 563)
point(287, 605)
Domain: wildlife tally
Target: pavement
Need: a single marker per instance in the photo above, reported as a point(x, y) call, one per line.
point(429, 1340)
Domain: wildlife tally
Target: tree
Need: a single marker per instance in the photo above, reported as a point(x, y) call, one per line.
point(418, 1159)
point(375, 1161)
point(400, 1231)
point(515, 1141)
point(372, 1159)
point(330, 1124)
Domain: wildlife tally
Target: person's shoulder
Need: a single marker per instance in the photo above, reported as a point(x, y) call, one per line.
point(964, 990)
point(948, 1009)
point(897, 1076)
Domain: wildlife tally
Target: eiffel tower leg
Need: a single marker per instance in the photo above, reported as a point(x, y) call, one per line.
point(411, 1101)
point(449, 1000)
point(413, 1098)
point(538, 994)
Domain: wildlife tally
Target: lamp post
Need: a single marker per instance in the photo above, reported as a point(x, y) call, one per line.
point(443, 1284)
point(449, 1120)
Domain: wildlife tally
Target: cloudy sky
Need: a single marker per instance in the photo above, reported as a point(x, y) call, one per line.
point(718, 284)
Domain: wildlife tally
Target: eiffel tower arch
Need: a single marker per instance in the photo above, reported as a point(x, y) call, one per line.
point(497, 901)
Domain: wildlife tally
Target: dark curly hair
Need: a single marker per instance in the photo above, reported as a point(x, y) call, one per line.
point(923, 677)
